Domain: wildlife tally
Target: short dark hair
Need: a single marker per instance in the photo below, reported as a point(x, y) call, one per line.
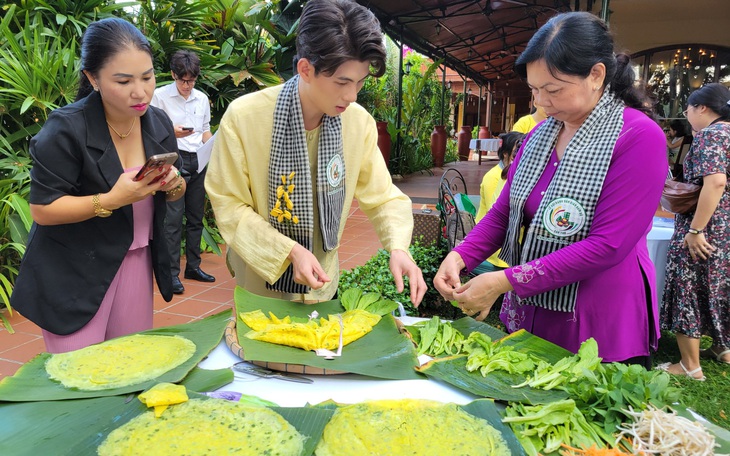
point(103, 40)
point(332, 32)
point(184, 63)
point(679, 126)
point(715, 96)
point(572, 43)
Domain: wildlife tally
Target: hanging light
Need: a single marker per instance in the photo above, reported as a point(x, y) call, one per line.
point(408, 66)
point(438, 28)
point(448, 85)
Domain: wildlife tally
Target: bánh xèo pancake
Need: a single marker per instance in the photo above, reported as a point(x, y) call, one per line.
point(205, 427)
point(119, 362)
point(409, 426)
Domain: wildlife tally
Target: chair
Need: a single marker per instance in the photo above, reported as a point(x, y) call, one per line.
point(455, 222)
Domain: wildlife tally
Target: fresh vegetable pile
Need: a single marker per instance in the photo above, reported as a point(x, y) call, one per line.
point(597, 398)
point(601, 397)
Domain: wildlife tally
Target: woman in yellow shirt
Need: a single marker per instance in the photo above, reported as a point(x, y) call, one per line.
point(492, 185)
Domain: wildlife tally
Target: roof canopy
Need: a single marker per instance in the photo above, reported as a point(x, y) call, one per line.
point(478, 39)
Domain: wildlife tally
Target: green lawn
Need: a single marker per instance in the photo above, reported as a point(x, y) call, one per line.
point(710, 398)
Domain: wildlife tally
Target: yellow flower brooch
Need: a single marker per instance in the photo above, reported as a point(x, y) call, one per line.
point(284, 206)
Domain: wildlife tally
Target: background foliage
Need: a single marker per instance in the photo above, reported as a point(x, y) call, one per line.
point(420, 112)
point(244, 45)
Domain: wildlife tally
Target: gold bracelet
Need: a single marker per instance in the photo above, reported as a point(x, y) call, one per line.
point(98, 210)
point(175, 190)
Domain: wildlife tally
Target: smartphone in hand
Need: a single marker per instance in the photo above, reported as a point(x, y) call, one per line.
point(155, 162)
point(187, 128)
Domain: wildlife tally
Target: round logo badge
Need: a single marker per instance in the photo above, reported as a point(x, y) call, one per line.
point(334, 171)
point(563, 217)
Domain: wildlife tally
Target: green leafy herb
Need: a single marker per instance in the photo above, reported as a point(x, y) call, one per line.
point(436, 338)
point(354, 298)
point(486, 356)
point(544, 428)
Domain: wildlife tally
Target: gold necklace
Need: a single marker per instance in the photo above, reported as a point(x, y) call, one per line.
point(122, 136)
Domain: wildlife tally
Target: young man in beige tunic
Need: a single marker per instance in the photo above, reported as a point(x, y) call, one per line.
point(289, 160)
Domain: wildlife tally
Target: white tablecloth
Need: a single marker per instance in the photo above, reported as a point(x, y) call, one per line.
point(491, 144)
point(657, 242)
point(346, 388)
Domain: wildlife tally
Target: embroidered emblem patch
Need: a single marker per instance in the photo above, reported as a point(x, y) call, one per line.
point(334, 171)
point(563, 217)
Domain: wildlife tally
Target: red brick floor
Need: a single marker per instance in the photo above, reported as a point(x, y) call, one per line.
point(359, 243)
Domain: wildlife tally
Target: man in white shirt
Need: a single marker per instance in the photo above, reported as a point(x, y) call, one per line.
point(189, 110)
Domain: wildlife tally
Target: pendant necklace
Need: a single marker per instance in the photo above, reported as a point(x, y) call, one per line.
point(122, 136)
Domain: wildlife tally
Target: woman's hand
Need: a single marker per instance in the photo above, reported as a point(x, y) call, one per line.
point(698, 246)
point(173, 185)
point(448, 277)
point(127, 191)
point(478, 295)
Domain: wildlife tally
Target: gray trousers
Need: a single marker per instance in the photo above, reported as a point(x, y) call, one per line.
point(192, 205)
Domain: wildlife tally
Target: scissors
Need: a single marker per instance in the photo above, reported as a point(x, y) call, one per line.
point(268, 373)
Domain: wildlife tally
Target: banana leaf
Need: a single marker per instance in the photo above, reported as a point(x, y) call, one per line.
point(32, 383)
point(498, 384)
point(382, 353)
point(77, 427)
point(468, 325)
point(481, 408)
point(722, 435)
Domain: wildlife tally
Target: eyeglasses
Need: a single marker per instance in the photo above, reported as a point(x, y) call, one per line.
point(186, 82)
point(684, 113)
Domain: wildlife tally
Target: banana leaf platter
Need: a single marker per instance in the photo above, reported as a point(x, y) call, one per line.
point(32, 383)
point(383, 353)
point(480, 408)
point(77, 427)
point(722, 435)
point(498, 384)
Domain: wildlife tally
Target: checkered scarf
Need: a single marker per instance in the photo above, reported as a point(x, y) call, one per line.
point(289, 153)
point(579, 177)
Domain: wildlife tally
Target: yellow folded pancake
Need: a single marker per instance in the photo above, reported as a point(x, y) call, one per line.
point(119, 362)
point(314, 334)
point(409, 426)
point(205, 427)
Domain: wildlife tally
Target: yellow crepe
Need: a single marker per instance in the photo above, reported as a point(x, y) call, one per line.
point(163, 395)
point(205, 427)
point(119, 362)
point(409, 426)
point(322, 333)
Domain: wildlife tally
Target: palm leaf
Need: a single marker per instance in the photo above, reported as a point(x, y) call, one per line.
point(485, 409)
point(77, 427)
point(31, 381)
point(383, 353)
point(498, 384)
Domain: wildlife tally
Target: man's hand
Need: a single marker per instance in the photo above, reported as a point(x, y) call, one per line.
point(180, 132)
point(307, 270)
point(402, 265)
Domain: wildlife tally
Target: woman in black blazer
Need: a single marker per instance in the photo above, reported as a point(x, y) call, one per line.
point(98, 234)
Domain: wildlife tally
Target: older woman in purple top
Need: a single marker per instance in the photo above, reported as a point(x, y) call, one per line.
point(584, 186)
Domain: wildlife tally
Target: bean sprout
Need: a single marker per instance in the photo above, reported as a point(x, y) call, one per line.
point(658, 432)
